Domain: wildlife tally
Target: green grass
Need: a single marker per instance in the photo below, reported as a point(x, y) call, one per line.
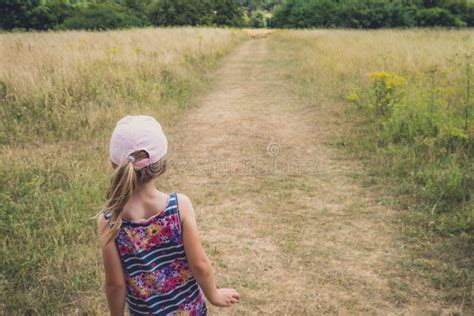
point(54, 169)
point(412, 124)
point(62, 92)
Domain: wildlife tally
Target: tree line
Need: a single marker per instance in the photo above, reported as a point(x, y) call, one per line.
point(374, 13)
point(110, 14)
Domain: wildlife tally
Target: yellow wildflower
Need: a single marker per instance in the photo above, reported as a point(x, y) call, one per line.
point(353, 96)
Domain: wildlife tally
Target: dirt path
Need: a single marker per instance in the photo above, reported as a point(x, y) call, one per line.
point(281, 213)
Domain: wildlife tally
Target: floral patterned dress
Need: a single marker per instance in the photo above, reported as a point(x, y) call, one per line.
point(159, 280)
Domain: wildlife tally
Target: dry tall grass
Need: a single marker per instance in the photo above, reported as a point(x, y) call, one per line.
point(56, 84)
point(61, 94)
point(423, 146)
point(338, 60)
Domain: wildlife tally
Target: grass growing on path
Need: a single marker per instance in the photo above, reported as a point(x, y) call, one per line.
point(410, 118)
point(286, 217)
point(60, 96)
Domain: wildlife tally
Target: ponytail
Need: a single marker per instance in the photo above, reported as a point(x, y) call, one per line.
point(125, 181)
point(122, 185)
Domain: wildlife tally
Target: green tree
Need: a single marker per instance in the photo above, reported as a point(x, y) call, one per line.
point(257, 19)
point(139, 7)
point(373, 13)
point(468, 15)
point(49, 15)
point(181, 12)
point(437, 17)
point(227, 12)
point(252, 5)
point(103, 16)
point(16, 14)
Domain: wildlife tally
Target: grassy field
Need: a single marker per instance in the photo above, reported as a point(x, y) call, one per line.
point(63, 85)
point(61, 94)
point(392, 235)
point(408, 99)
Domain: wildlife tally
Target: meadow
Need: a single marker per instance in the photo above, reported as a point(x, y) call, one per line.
point(62, 85)
point(61, 94)
point(407, 98)
point(399, 101)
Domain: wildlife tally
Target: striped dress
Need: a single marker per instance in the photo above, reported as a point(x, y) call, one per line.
point(159, 280)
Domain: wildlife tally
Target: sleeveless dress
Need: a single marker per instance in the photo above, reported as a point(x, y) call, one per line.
point(158, 277)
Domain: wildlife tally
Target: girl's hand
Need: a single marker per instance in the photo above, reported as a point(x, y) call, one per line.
point(226, 298)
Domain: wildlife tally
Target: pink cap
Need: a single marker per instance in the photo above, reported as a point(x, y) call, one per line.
point(134, 133)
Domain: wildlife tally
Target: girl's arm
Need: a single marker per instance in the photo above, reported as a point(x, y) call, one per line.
point(114, 278)
point(198, 260)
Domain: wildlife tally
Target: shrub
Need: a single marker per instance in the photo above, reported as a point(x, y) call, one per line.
point(180, 12)
point(366, 14)
point(437, 17)
point(468, 14)
point(257, 19)
point(372, 13)
point(227, 12)
point(47, 16)
point(15, 14)
point(429, 147)
point(103, 16)
point(388, 91)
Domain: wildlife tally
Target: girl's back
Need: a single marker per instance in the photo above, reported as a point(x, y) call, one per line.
point(157, 274)
point(153, 261)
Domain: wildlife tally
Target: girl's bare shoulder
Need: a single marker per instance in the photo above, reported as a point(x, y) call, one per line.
point(185, 206)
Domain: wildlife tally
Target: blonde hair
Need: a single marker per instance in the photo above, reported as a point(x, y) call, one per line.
point(124, 183)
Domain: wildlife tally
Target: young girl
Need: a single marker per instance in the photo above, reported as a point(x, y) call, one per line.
point(152, 253)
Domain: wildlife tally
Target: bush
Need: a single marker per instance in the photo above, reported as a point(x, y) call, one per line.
point(366, 14)
point(387, 89)
point(16, 14)
point(300, 13)
point(227, 12)
point(47, 16)
point(181, 12)
point(437, 17)
point(373, 13)
point(103, 16)
point(428, 146)
point(257, 19)
point(468, 15)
